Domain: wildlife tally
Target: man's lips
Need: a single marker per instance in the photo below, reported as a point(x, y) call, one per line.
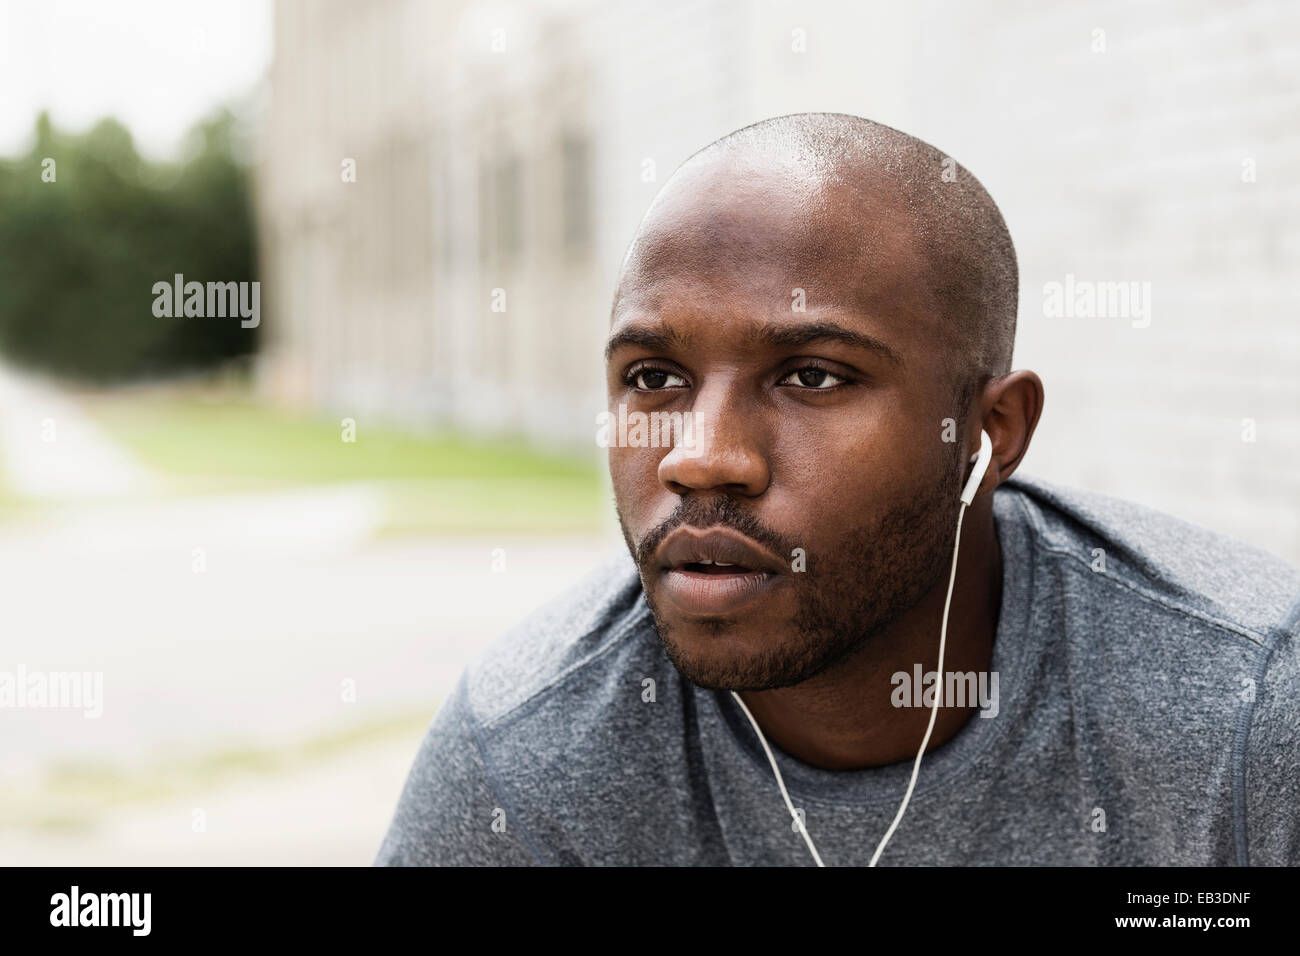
point(709, 572)
point(715, 546)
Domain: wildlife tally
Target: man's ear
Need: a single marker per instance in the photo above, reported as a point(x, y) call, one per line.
point(1011, 405)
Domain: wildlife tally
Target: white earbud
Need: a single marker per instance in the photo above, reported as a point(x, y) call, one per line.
point(981, 459)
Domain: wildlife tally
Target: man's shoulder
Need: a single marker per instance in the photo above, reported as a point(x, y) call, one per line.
point(548, 727)
point(576, 718)
point(1148, 555)
point(1181, 647)
point(595, 633)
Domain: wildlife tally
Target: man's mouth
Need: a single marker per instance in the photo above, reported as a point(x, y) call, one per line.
point(706, 590)
point(715, 571)
point(713, 567)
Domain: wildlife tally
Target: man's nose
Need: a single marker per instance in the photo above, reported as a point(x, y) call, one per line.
point(726, 454)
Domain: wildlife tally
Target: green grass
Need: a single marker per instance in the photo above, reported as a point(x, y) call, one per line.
point(434, 484)
point(12, 507)
point(240, 439)
point(527, 506)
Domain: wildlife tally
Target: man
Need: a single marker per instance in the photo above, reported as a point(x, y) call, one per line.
point(838, 315)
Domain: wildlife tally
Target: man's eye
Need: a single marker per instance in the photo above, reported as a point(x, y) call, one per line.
point(813, 377)
point(653, 379)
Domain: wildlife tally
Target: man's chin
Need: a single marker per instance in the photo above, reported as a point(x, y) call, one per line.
point(725, 654)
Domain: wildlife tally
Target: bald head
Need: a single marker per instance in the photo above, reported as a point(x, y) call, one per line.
point(834, 304)
point(867, 194)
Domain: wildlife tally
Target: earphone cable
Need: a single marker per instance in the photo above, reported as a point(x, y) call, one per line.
point(916, 766)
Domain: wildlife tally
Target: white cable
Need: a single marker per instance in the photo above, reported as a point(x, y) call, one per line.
point(779, 782)
point(934, 713)
point(938, 693)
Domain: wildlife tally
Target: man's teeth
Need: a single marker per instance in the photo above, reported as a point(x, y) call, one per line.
point(721, 564)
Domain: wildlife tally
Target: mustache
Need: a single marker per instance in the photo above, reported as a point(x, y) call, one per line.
point(716, 512)
point(728, 512)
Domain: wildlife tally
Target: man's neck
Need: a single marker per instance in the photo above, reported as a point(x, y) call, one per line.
point(845, 718)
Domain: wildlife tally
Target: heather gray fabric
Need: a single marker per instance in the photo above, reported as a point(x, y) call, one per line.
point(1162, 692)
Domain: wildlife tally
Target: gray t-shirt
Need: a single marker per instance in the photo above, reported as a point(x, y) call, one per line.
point(1148, 713)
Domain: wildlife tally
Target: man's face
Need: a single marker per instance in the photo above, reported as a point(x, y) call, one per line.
point(793, 317)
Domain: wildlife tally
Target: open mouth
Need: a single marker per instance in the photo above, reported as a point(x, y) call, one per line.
point(714, 567)
point(715, 571)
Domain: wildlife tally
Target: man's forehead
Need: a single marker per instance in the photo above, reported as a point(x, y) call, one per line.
point(763, 235)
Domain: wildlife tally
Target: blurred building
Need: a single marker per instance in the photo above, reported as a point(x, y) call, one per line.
point(464, 275)
point(514, 147)
point(496, 147)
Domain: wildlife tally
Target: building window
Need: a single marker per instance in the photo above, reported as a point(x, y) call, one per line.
point(509, 229)
point(500, 228)
point(575, 163)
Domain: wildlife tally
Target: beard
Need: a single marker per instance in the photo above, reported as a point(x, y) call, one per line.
point(855, 587)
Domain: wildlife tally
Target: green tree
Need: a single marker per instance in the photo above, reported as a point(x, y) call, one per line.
point(79, 256)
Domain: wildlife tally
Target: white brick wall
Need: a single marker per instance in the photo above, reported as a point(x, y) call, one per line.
point(1127, 165)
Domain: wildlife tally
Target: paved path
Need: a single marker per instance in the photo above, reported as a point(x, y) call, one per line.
point(333, 813)
point(255, 649)
point(252, 654)
point(49, 449)
point(229, 622)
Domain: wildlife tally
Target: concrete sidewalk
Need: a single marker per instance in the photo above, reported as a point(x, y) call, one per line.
point(331, 814)
point(224, 624)
point(50, 450)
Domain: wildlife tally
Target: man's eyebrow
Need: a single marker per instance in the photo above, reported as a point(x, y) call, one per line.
point(784, 335)
point(773, 335)
point(659, 337)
